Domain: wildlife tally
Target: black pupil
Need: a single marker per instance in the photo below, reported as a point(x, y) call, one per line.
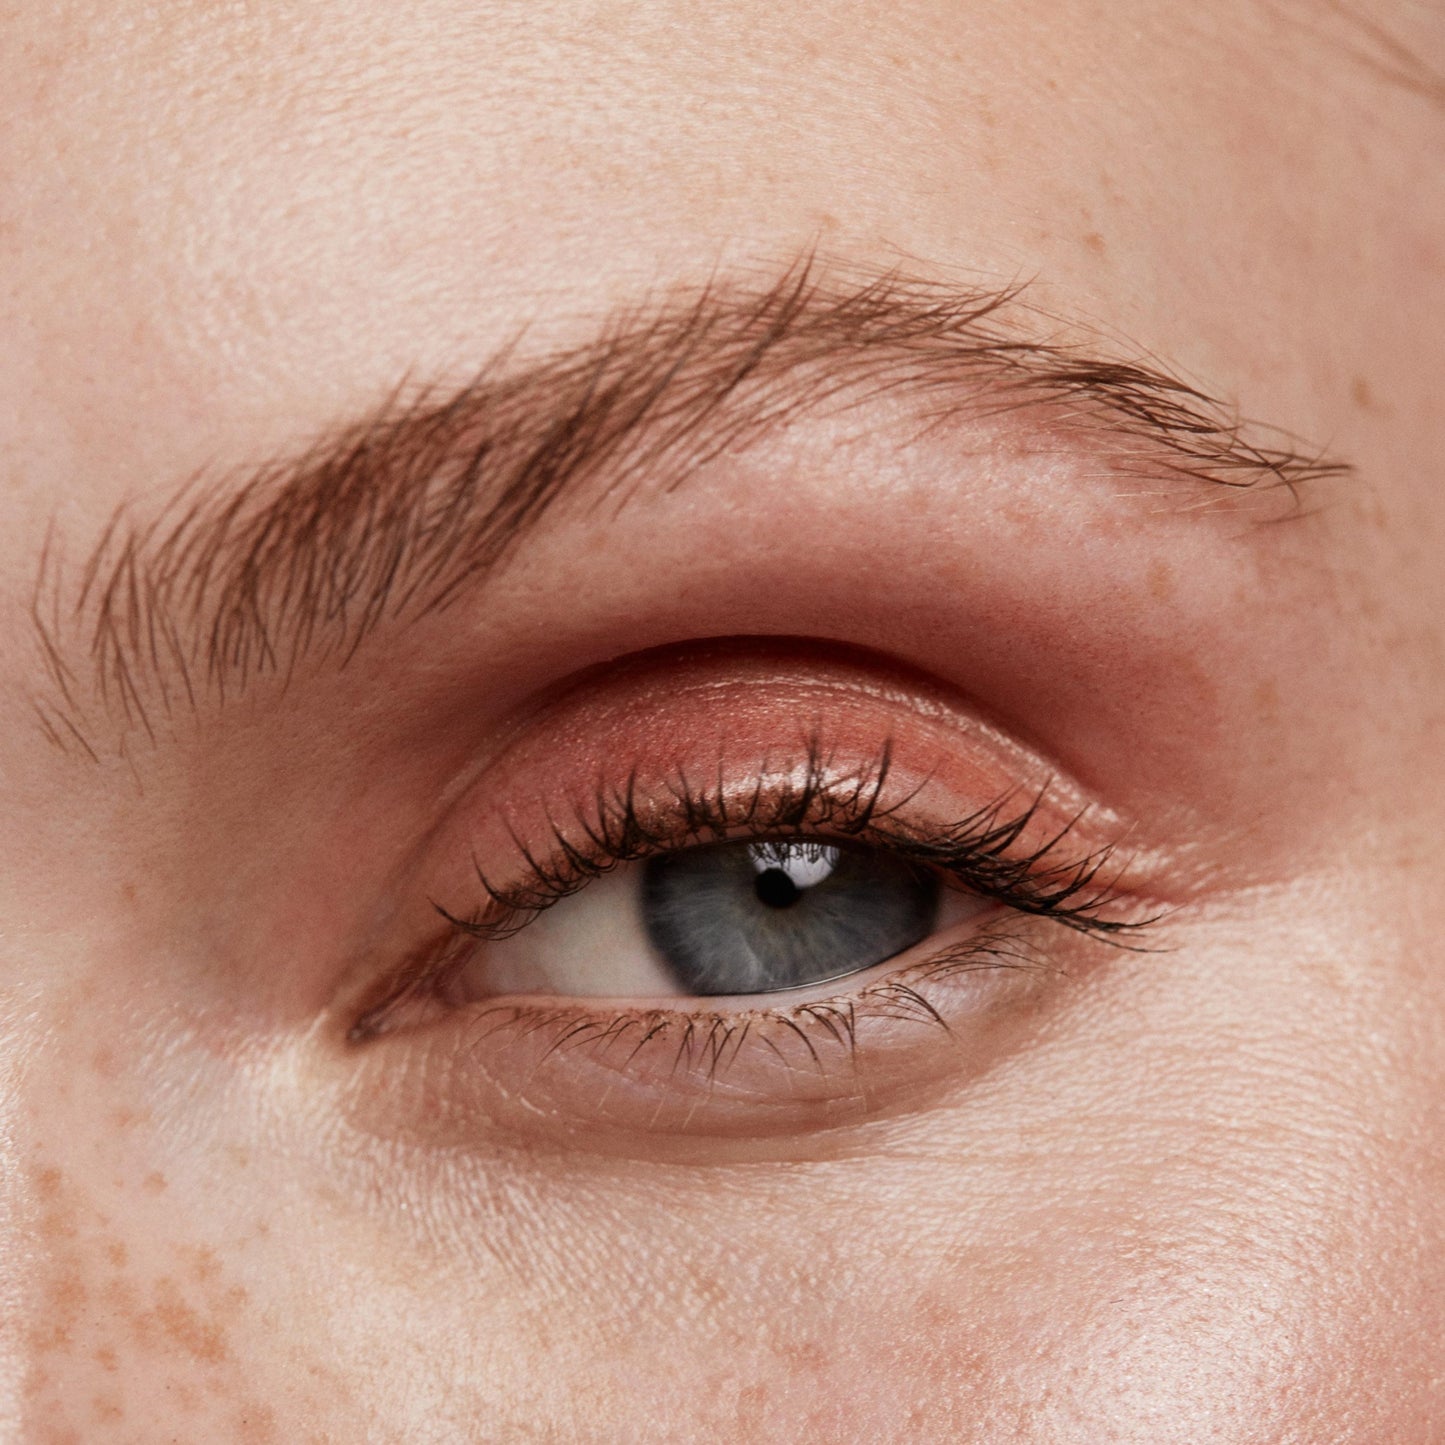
point(776, 889)
point(758, 917)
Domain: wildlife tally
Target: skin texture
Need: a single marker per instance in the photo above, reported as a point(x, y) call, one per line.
point(1195, 1194)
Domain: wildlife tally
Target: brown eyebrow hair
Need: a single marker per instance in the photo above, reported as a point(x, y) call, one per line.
point(394, 516)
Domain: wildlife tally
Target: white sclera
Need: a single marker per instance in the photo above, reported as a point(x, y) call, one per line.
point(592, 945)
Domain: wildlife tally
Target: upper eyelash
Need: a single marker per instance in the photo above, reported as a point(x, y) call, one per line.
point(974, 852)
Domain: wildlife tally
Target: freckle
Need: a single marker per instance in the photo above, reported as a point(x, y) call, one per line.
point(117, 1253)
point(185, 1397)
point(1161, 581)
point(107, 1411)
point(107, 1359)
point(1266, 697)
point(1095, 242)
point(47, 1183)
point(56, 1224)
point(186, 1328)
point(127, 1118)
point(127, 892)
point(48, 1337)
point(119, 1294)
point(237, 1296)
point(1025, 519)
point(752, 1405)
point(64, 1304)
point(240, 1155)
point(103, 1062)
point(204, 1264)
point(804, 1356)
point(125, 1306)
point(1360, 391)
point(258, 1424)
point(154, 1183)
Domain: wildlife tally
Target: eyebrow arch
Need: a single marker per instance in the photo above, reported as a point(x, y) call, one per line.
point(392, 517)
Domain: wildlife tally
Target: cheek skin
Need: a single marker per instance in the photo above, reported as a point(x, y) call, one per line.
point(943, 1284)
point(154, 1291)
point(1165, 1221)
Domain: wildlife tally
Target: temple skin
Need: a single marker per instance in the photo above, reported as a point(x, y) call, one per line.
point(1195, 1194)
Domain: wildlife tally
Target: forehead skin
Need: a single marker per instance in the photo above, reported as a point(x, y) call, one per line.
point(220, 205)
point(222, 226)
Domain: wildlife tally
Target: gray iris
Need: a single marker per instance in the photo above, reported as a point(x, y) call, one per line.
point(758, 917)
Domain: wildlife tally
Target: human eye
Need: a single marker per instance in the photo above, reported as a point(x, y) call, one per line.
point(776, 913)
point(733, 898)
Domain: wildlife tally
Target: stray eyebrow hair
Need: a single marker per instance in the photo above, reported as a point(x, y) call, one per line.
point(394, 516)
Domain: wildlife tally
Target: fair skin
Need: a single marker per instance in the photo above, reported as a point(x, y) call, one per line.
point(1191, 1189)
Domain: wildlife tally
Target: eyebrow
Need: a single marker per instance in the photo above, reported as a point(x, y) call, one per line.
point(396, 515)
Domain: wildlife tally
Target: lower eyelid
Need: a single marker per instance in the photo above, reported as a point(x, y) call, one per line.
point(618, 1077)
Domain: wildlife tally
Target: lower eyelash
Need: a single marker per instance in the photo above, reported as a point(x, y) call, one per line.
point(822, 1034)
point(901, 996)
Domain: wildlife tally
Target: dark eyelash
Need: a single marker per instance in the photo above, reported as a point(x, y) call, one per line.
point(974, 853)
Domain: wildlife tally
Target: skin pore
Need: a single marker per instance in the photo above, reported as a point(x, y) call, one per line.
point(1185, 1191)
